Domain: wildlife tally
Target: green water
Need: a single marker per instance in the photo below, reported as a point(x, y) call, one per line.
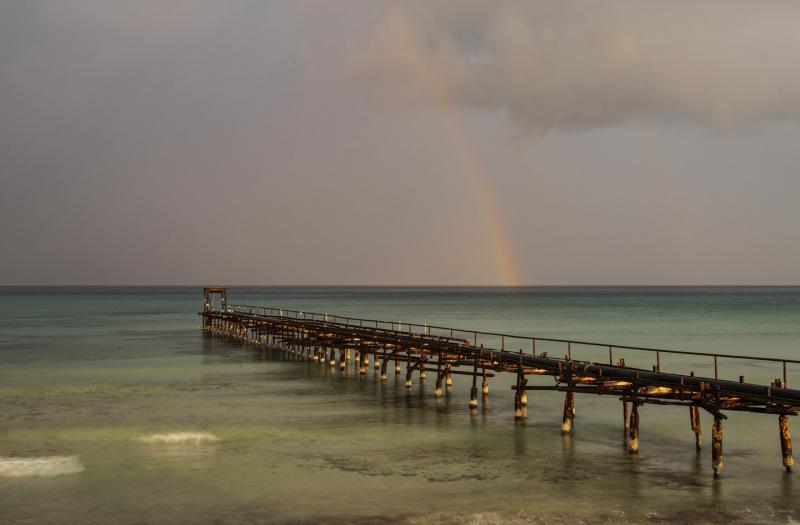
point(87, 375)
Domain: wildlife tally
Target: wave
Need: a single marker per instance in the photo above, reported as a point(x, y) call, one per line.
point(180, 438)
point(47, 466)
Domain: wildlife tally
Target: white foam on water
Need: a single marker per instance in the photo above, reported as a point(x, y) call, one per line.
point(47, 466)
point(180, 438)
point(478, 518)
point(496, 518)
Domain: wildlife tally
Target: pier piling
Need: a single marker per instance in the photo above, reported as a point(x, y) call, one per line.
point(786, 442)
point(569, 412)
point(694, 419)
point(717, 460)
point(633, 437)
point(310, 337)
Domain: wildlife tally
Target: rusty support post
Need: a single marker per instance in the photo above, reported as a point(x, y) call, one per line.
point(384, 376)
point(473, 393)
point(633, 439)
point(438, 391)
point(408, 374)
point(520, 410)
point(694, 419)
point(786, 442)
point(569, 413)
point(717, 461)
point(625, 423)
point(363, 361)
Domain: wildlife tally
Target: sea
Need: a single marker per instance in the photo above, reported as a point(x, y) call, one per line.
point(116, 408)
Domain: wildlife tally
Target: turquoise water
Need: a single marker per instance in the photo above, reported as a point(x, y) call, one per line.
point(88, 377)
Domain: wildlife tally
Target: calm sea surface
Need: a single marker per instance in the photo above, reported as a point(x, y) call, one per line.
point(114, 407)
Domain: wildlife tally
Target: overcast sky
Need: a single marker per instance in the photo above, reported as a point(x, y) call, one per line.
point(370, 142)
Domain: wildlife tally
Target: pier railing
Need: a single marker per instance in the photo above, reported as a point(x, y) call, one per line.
point(447, 351)
point(510, 341)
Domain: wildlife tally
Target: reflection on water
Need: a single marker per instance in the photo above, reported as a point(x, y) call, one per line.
point(174, 427)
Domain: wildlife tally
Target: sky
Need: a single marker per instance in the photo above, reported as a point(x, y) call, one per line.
point(372, 142)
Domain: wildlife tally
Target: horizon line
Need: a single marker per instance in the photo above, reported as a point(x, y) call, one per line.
point(204, 285)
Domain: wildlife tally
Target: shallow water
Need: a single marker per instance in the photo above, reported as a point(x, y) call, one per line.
point(115, 408)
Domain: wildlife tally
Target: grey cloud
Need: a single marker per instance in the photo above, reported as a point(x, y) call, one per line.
point(247, 141)
point(586, 64)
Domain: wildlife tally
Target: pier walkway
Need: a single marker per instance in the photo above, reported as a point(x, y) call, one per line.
point(444, 351)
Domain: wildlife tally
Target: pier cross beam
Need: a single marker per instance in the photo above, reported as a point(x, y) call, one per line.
point(450, 351)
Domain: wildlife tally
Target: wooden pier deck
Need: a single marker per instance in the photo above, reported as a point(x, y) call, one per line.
point(445, 351)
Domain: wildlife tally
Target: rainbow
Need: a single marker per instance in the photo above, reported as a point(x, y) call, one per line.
point(420, 65)
point(466, 151)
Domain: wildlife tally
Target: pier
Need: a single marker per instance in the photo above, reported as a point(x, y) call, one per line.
point(416, 350)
